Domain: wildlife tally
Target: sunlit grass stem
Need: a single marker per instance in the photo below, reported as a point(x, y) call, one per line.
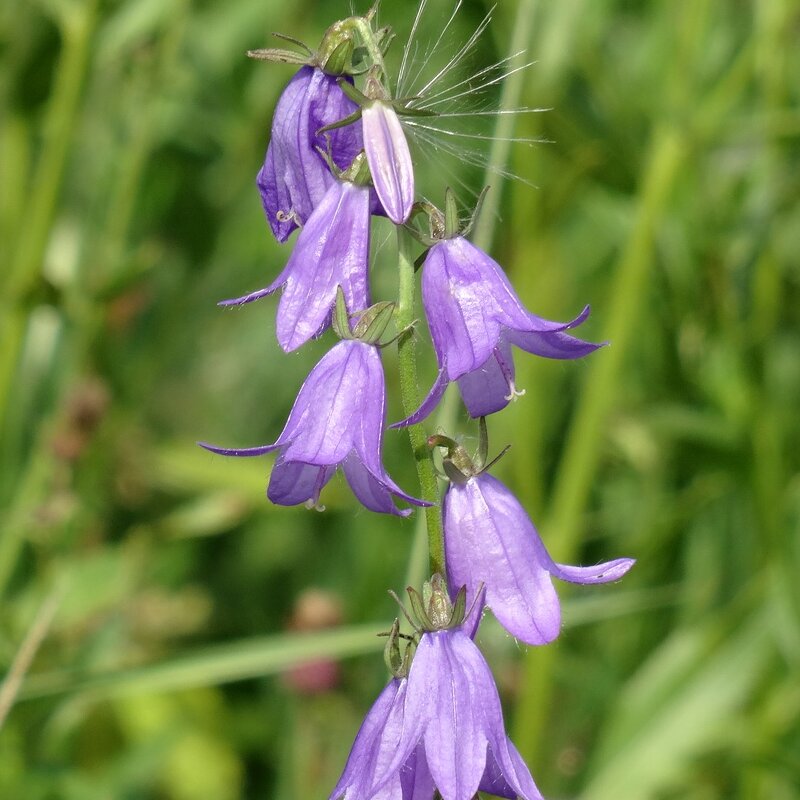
point(586, 434)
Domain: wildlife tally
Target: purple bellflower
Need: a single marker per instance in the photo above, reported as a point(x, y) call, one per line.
point(490, 540)
point(337, 420)
point(389, 159)
point(441, 728)
point(332, 250)
point(295, 177)
point(474, 317)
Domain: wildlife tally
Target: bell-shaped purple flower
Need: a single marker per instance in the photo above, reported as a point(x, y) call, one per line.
point(490, 540)
point(389, 160)
point(332, 250)
point(474, 317)
point(295, 177)
point(337, 420)
point(441, 728)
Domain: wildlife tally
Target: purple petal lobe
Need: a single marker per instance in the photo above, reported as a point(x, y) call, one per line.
point(374, 746)
point(556, 344)
point(489, 388)
point(428, 404)
point(293, 482)
point(371, 492)
point(389, 160)
point(295, 177)
point(600, 573)
point(243, 451)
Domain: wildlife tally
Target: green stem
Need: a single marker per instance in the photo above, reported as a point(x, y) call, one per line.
point(409, 395)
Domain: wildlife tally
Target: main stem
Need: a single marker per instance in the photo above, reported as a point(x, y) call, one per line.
point(409, 395)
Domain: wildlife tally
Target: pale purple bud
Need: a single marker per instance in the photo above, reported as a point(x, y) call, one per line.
point(389, 160)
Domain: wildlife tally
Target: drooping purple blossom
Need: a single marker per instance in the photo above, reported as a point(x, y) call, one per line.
point(490, 540)
point(337, 421)
point(389, 160)
point(295, 177)
point(474, 316)
point(332, 250)
point(441, 728)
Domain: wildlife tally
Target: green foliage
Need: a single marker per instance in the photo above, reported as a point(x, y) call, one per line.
point(130, 136)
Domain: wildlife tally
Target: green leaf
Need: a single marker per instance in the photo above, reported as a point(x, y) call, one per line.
point(249, 658)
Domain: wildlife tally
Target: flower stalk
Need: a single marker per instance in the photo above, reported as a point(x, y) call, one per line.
point(409, 396)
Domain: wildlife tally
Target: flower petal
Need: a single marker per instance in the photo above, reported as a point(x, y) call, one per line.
point(370, 491)
point(555, 344)
point(389, 160)
point(293, 482)
point(415, 777)
point(600, 573)
point(490, 387)
point(454, 681)
point(241, 451)
point(374, 745)
point(322, 423)
point(368, 429)
point(508, 777)
point(332, 250)
point(489, 538)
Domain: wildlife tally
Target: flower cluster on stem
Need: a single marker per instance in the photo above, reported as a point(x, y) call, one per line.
point(337, 157)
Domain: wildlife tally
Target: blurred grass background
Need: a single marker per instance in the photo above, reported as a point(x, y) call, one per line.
point(160, 600)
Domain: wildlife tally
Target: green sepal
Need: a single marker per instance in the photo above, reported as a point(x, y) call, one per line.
point(458, 465)
point(391, 653)
point(358, 171)
point(418, 607)
point(359, 98)
point(451, 220)
point(340, 320)
point(292, 40)
point(453, 473)
point(435, 220)
point(459, 608)
point(409, 111)
point(339, 61)
point(373, 322)
point(476, 212)
point(384, 37)
point(495, 459)
point(348, 120)
point(279, 56)
point(483, 444)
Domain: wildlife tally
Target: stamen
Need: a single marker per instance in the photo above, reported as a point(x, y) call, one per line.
point(289, 216)
point(515, 393)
